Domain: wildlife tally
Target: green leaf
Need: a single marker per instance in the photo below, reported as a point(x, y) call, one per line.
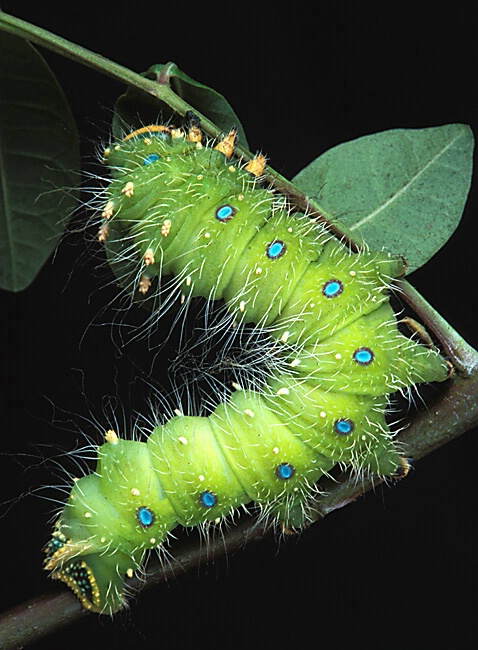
point(403, 190)
point(39, 160)
point(135, 108)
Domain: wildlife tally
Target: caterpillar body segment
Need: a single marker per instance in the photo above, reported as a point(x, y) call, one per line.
point(177, 206)
point(197, 469)
point(183, 209)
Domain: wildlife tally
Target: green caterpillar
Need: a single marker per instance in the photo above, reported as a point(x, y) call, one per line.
point(176, 206)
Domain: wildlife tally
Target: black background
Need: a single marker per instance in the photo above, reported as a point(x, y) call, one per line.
point(399, 568)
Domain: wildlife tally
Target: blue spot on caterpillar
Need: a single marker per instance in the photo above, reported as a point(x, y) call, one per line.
point(145, 516)
point(363, 356)
point(332, 288)
point(276, 249)
point(178, 207)
point(343, 426)
point(225, 213)
point(150, 159)
point(208, 499)
point(285, 471)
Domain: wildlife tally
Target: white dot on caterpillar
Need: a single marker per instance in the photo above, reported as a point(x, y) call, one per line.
point(103, 232)
point(188, 281)
point(207, 235)
point(135, 492)
point(148, 257)
point(111, 437)
point(232, 169)
point(283, 391)
point(353, 273)
point(240, 197)
point(275, 450)
point(290, 229)
point(364, 437)
point(166, 227)
point(199, 177)
point(183, 298)
point(217, 520)
point(183, 440)
point(338, 356)
point(144, 284)
point(128, 189)
point(108, 210)
point(323, 414)
point(178, 413)
point(103, 540)
point(285, 337)
point(242, 306)
point(250, 413)
point(258, 270)
point(236, 386)
point(152, 541)
point(148, 142)
point(295, 363)
point(87, 515)
point(201, 478)
point(129, 573)
point(106, 153)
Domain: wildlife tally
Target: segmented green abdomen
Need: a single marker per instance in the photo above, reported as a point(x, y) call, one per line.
point(177, 207)
point(190, 212)
point(192, 470)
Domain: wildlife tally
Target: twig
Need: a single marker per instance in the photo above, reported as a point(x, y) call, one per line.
point(462, 355)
